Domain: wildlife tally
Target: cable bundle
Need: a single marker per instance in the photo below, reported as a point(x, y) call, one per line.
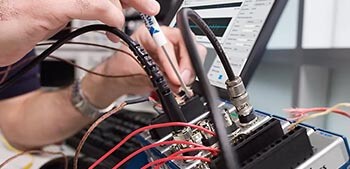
point(169, 103)
point(170, 106)
point(209, 93)
point(143, 129)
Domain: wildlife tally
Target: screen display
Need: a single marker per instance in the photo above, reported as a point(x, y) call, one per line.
point(237, 24)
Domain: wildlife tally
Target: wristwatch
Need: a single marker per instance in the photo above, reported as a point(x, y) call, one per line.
point(83, 105)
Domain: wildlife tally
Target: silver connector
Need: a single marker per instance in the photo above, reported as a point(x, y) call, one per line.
point(207, 125)
point(240, 99)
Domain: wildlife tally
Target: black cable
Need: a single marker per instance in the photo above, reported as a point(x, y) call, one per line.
point(138, 100)
point(196, 19)
point(93, 72)
point(171, 108)
point(85, 44)
point(209, 92)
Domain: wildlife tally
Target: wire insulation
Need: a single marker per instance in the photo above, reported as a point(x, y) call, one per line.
point(98, 122)
point(93, 72)
point(214, 151)
point(95, 45)
point(154, 145)
point(140, 130)
point(298, 113)
point(88, 44)
point(328, 111)
point(91, 129)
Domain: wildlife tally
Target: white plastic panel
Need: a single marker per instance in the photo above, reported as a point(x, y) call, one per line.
point(285, 34)
point(342, 24)
point(318, 24)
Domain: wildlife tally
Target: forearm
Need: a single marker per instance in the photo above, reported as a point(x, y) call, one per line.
point(40, 118)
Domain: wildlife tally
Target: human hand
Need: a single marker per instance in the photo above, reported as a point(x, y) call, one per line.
point(23, 23)
point(106, 90)
point(177, 51)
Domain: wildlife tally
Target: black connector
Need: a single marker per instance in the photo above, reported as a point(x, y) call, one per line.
point(258, 139)
point(232, 128)
point(247, 119)
point(193, 108)
point(209, 141)
point(268, 148)
point(286, 153)
point(247, 146)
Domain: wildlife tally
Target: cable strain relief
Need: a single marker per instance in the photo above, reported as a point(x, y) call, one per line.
point(248, 118)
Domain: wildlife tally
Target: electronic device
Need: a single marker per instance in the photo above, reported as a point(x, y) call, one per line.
point(243, 29)
point(246, 138)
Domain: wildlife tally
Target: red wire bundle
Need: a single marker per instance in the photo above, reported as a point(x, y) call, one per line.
point(212, 150)
point(153, 146)
point(140, 130)
point(300, 112)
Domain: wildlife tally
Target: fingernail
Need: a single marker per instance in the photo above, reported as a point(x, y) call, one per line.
point(186, 76)
point(153, 6)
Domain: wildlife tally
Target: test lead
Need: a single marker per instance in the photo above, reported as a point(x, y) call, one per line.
point(160, 39)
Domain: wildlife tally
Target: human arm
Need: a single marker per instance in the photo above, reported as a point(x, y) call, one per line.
point(40, 118)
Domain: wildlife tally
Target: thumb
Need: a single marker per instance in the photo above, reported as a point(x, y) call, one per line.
point(102, 10)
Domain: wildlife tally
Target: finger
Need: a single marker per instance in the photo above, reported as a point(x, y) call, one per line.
point(159, 56)
point(109, 35)
point(112, 37)
point(202, 51)
point(125, 6)
point(161, 59)
point(167, 66)
point(103, 10)
point(149, 7)
point(185, 65)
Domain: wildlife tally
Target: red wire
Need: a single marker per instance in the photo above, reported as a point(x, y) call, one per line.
point(140, 130)
point(152, 146)
point(212, 150)
point(164, 160)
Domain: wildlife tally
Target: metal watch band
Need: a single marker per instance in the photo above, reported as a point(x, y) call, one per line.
point(81, 103)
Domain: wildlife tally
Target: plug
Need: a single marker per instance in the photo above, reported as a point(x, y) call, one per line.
point(240, 99)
